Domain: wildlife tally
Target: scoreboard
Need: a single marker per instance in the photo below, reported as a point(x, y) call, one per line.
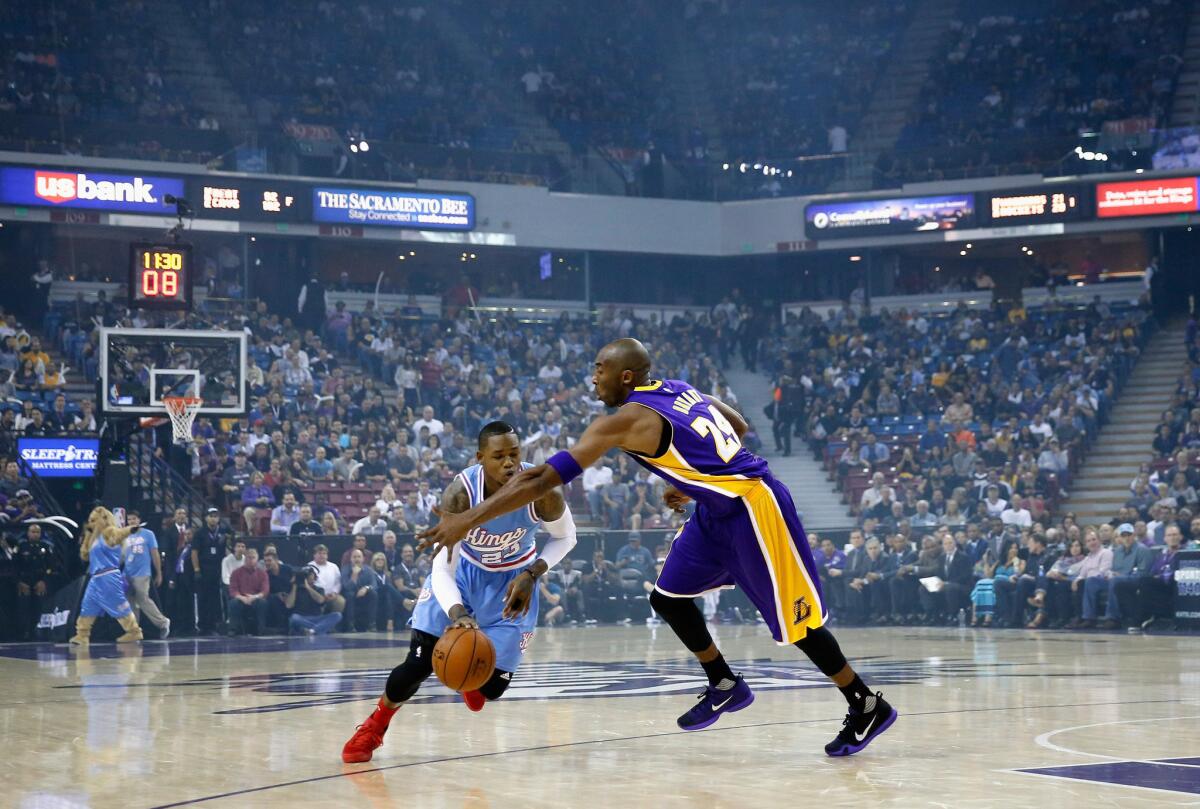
point(253, 200)
point(160, 276)
point(1035, 206)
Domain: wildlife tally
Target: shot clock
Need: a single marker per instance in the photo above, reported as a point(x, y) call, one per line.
point(160, 276)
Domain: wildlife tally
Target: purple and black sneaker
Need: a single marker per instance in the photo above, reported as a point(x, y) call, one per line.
point(714, 702)
point(860, 727)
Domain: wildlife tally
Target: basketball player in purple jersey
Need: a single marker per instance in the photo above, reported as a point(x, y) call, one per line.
point(745, 531)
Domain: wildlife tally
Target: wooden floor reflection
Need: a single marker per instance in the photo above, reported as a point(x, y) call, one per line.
point(987, 718)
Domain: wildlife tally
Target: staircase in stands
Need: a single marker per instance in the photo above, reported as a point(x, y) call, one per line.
point(1185, 107)
point(534, 127)
point(695, 107)
point(819, 503)
point(192, 66)
point(896, 92)
point(1101, 487)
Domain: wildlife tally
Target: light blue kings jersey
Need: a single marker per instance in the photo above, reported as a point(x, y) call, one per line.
point(103, 558)
point(137, 552)
point(505, 543)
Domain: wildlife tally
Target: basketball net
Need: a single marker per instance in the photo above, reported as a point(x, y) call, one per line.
point(182, 410)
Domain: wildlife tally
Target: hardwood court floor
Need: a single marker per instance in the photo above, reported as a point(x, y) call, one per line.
point(987, 719)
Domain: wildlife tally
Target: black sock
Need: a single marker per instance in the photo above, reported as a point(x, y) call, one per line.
point(858, 695)
point(718, 671)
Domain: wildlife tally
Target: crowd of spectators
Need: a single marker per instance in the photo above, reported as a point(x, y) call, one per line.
point(355, 427)
point(954, 436)
point(942, 407)
point(50, 64)
point(789, 82)
point(1019, 81)
point(1009, 89)
point(596, 72)
point(1000, 574)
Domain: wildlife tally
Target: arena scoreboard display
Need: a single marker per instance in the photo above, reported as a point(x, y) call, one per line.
point(160, 276)
point(1035, 206)
point(253, 200)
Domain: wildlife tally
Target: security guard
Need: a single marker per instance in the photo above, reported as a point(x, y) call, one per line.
point(40, 573)
point(209, 545)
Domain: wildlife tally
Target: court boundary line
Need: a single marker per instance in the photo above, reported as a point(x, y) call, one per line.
point(585, 742)
point(1043, 740)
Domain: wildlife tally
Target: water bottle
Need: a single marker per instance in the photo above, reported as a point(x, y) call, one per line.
point(962, 618)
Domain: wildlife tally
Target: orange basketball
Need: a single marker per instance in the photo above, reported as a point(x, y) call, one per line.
point(464, 659)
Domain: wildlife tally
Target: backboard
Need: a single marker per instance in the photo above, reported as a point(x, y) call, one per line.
point(138, 367)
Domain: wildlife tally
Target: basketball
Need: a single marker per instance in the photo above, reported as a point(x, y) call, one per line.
point(464, 659)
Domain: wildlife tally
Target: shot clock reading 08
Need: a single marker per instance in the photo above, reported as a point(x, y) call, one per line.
point(160, 276)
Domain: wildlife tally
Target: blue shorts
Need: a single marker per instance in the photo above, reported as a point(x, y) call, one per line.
point(105, 593)
point(483, 596)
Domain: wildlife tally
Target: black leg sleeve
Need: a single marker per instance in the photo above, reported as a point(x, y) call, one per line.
point(685, 618)
point(823, 650)
point(406, 678)
point(494, 688)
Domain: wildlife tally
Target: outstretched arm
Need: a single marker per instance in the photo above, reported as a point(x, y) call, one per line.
point(114, 536)
point(632, 427)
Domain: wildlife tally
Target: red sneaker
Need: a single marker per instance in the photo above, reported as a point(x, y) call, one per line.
point(367, 737)
point(475, 700)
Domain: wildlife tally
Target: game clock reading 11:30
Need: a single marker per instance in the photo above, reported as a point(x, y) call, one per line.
point(160, 276)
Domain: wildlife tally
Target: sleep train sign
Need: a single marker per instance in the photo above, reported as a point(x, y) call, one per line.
point(59, 457)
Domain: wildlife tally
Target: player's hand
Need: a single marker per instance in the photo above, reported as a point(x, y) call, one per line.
point(22, 589)
point(519, 596)
point(451, 528)
point(464, 621)
point(675, 499)
point(39, 589)
point(158, 580)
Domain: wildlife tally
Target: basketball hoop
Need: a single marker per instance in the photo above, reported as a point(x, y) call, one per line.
point(182, 410)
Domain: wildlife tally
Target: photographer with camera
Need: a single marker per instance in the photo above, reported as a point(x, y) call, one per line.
point(307, 600)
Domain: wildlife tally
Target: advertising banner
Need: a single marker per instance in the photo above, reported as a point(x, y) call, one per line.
point(872, 217)
point(67, 457)
point(127, 193)
point(402, 209)
point(1146, 197)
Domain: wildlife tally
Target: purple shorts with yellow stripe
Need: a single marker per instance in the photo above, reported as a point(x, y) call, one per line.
point(759, 546)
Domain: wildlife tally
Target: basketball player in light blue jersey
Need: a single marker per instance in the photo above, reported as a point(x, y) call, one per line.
point(489, 583)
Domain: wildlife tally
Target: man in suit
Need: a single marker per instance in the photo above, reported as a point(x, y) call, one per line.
point(177, 590)
point(956, 570)
point(867, 594)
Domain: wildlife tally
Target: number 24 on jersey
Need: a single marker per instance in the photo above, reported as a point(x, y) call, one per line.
point(724, 437)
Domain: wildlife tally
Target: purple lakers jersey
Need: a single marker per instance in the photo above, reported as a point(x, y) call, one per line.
point(700, 454)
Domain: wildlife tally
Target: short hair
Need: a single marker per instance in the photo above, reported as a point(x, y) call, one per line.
point(874, 542)
point(320, 548)
point(494, 428)
point(132, 512)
